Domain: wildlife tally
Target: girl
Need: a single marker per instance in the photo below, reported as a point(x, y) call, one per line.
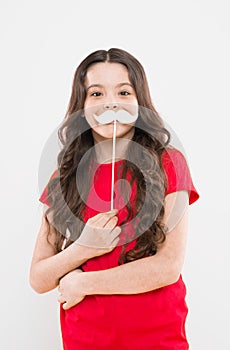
point(118, 271)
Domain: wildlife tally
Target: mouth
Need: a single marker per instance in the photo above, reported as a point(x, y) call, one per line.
point(112, 123)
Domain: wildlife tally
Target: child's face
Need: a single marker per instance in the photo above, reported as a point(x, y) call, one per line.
point(108, 86)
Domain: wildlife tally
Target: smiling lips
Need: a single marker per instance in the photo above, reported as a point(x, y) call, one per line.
point(121, 116)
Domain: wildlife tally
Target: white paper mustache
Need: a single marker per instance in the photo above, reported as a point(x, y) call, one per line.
point(121, 115)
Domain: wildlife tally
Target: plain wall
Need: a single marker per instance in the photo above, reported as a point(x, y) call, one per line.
point(184, 48)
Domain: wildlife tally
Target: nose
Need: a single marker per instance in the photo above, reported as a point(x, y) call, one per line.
point(113, 106)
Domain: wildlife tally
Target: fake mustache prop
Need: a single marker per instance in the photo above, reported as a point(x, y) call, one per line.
point(121, 116)
point(107, 117)
point(110, 116)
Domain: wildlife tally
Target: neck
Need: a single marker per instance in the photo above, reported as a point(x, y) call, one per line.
point(104, 147)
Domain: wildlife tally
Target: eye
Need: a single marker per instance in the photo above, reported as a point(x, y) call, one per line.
point(125, 93)
point(96, 94)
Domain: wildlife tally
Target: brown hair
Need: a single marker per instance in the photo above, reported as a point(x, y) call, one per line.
point(77, 140)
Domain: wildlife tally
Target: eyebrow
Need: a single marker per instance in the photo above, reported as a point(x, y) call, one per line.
point(101, 86)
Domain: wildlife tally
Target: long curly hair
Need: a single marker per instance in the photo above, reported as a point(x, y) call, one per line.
point(145, 165)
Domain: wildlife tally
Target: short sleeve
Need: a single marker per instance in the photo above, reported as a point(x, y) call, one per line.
point(44, 196)
point(178, 174)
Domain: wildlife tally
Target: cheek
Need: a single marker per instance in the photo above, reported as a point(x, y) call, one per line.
point(89, 103)
point(132, 99)
point(91, 121)
point(88, 113)
point(130, 105)
point(87, 108)
point(91, 108)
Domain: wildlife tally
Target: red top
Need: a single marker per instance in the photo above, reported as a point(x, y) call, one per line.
point(146, 321)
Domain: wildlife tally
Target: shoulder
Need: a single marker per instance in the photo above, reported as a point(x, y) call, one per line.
point(178, 173)
point(172, 156)
point(175, 164)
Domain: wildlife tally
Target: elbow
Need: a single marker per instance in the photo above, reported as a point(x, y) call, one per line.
point(173, 277)
point(36, 288)
point(39, 285)
point(174, 273)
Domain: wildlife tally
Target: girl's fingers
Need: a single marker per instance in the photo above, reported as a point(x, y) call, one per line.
point(101, 219)
point(61, 299)
point(65, 306)
point(111, 223)
point(115, 233)
point(104, 219)
point(115, 241)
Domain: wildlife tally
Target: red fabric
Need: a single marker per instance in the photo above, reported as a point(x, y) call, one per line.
point(178, 174)
point(147, 321)
point(43, 198)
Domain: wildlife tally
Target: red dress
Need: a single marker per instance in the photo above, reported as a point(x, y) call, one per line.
point(146, 321)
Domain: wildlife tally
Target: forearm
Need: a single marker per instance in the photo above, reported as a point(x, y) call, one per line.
point(132, 278)
point(48, 266)
point(136, 277)
point(45, 273)
point(145, 274)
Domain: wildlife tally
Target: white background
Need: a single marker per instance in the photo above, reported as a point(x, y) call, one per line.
point(184, 48)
